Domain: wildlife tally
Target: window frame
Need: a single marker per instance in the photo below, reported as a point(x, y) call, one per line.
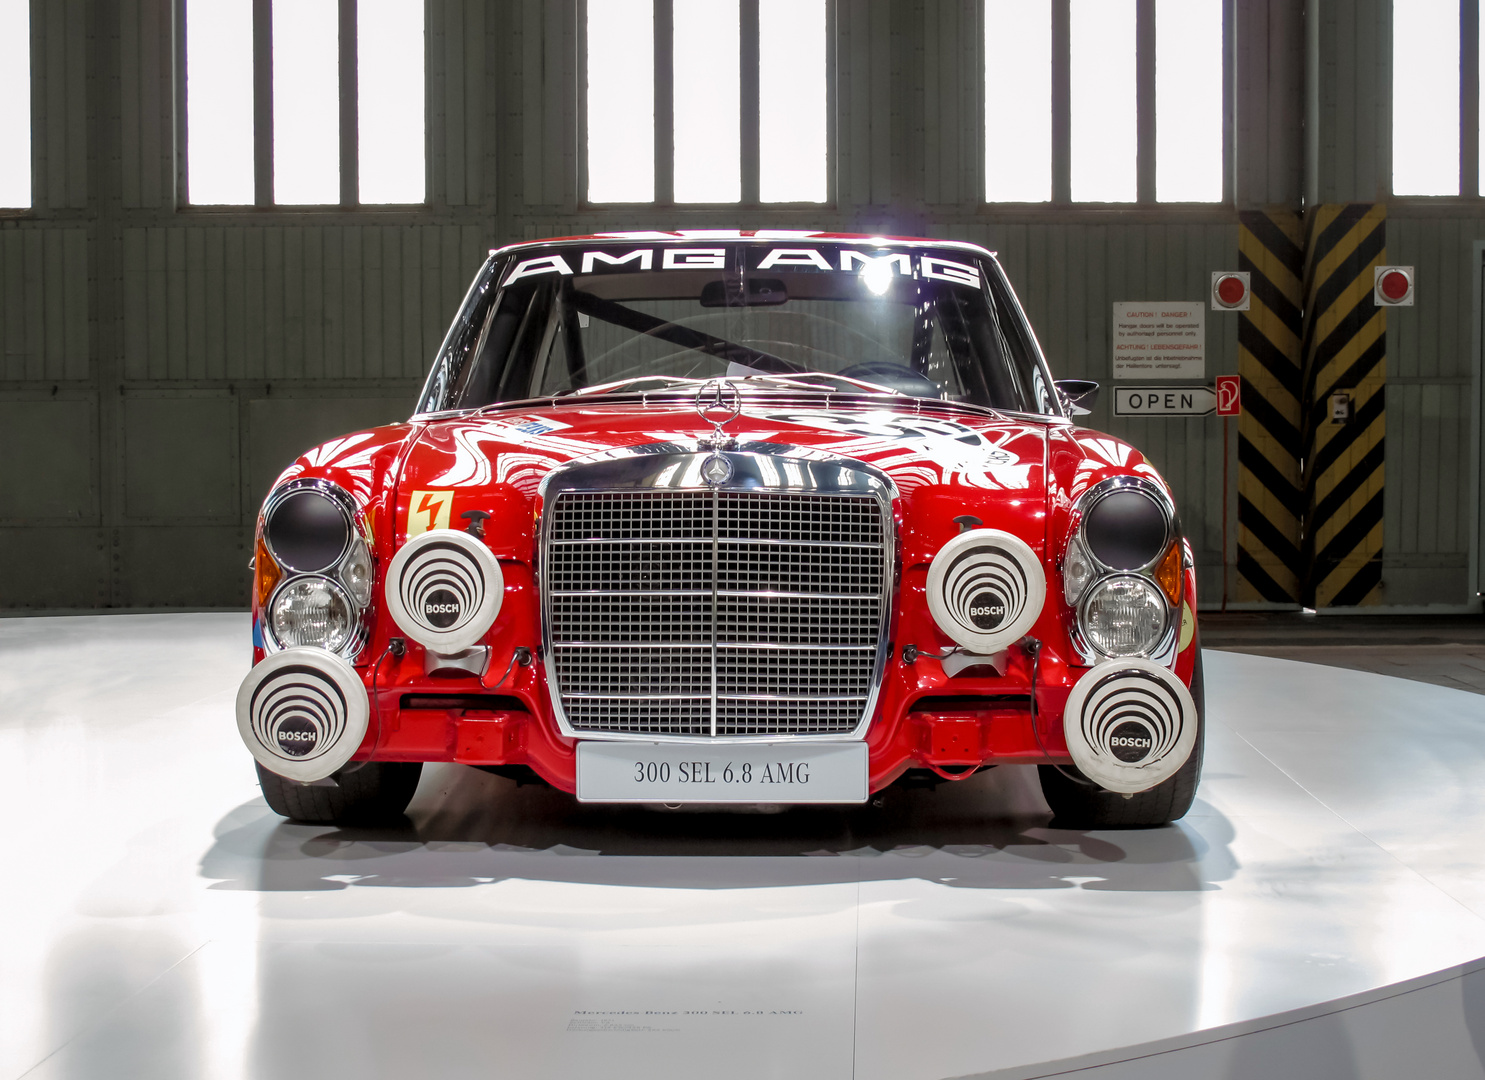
point(664, 83)
point(1145, 29)
point(350, 135)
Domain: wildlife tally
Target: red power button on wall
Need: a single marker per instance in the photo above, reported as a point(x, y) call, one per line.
point(1230, 290)
point(1393, 286)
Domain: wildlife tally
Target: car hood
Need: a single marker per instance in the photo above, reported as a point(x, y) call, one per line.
point(943, 461)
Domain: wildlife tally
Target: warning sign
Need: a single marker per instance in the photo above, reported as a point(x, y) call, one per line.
point(1155, 340)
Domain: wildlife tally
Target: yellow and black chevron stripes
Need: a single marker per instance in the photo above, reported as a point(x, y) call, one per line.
point(1345, 348)
point(1271, 501)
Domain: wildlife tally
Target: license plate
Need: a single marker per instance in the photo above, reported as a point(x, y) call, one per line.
point(727, 773)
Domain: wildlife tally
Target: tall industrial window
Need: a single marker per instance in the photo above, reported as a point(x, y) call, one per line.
point(15, 117)
point(1425, 97)
point(791, 101)
point(318, 84)
point(1018, 100)
point(219, 97)
point(707, 101)
point(306, 101)
point(1438, 98)
point(389, 95)
point(1188, 100)
point(1118, 102)
point(621, 101)
point(1105, 114)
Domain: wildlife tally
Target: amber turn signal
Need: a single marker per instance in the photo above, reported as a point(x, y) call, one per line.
point(1169, 576)
point(266, 573)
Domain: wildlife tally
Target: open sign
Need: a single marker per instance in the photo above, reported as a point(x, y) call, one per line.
point(1164, 400)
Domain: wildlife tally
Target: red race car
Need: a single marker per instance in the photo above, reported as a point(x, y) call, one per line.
point(728, 517)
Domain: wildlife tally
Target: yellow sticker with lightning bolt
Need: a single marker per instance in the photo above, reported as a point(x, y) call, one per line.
point(428, 510)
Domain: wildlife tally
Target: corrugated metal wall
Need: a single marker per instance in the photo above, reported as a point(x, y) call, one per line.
point(162, 364)
point(1432, 398)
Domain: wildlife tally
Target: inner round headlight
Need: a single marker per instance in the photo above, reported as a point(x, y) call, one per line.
point(307, 529)
point(311, 611)
point(1127, 529)
point(1123, 616)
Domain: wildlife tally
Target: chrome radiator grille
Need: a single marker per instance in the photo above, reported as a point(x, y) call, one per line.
point(729, 613)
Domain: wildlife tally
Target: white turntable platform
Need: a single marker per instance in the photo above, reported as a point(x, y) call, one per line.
point(1320, 913)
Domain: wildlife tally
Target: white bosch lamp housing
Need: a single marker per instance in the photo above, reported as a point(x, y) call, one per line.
point(302, 713)
point(444, 589)
point(1130, 724)
point(986, 589)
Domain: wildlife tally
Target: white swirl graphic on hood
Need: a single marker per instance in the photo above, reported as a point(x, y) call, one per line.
point(918, 451)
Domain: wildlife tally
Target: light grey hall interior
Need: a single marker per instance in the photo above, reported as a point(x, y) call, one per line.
point(233, 231)
point(133, 318)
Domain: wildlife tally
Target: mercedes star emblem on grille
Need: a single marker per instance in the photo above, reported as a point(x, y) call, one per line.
point(716, 470)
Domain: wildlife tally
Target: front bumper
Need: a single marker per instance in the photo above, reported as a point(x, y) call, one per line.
point(923, 717)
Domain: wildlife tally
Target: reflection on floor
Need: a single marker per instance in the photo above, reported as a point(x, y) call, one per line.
point(163, 923)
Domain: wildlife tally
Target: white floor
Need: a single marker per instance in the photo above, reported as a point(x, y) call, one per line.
point(158, 921)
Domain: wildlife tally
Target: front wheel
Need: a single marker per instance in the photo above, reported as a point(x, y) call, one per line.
point(1078, 803)
point(366, 793)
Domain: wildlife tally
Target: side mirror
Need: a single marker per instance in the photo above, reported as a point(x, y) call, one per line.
point(1078, 395)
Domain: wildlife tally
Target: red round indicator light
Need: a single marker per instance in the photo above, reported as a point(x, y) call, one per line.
point(1395, 285)
point(1231, 290)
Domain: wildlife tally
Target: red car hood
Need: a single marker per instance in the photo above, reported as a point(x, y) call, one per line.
point(944, 461)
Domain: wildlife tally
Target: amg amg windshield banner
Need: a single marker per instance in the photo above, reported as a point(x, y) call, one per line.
point(878, 269)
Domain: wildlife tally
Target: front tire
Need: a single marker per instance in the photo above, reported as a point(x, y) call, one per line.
point(1078, 803)
point(368, 793)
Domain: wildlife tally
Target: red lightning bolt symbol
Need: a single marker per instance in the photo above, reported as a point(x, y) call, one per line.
point(430, 506)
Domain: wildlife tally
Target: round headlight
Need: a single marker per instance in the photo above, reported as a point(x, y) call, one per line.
point(307, 529)
point(1126, 529)
point(1123, 616)
point(311, 611)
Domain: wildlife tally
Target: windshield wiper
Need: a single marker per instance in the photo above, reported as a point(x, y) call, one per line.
point(800, 380)
point(686, 337)
point(604, 388)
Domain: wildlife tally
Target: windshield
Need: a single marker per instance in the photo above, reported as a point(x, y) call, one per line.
point(920, 321)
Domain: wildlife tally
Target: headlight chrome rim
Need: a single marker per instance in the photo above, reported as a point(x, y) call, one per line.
point(1090, 499)
point(1153, 642)
point(336, 495)
point(354, 639)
